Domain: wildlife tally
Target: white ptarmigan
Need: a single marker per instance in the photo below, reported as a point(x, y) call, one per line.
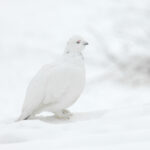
point(57, 86)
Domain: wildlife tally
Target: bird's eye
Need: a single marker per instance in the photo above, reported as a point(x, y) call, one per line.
point(78, 42)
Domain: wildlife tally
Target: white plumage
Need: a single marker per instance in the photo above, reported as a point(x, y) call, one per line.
point(57, 86)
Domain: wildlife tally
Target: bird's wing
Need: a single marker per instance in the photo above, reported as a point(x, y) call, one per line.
point(36, 91)
point(57, 86)
point(60, 83)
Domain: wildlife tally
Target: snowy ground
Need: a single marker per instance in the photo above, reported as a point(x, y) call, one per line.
point(110, 115)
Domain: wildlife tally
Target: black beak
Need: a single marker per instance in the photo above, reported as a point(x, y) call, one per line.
point(86, 43)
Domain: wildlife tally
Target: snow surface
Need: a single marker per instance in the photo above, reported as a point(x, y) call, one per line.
point(110, 115)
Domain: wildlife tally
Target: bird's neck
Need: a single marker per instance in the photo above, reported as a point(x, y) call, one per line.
point(74, 54)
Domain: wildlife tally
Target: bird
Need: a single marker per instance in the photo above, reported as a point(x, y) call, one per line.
point(58, 85)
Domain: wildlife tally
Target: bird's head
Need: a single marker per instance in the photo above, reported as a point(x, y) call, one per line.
point(75, 44)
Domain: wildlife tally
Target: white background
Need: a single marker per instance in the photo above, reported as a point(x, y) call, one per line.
point(114, 110)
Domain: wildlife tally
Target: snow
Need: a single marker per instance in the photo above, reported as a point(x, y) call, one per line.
point(110, 114)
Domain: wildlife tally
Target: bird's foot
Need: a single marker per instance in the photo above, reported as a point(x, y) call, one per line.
point(67, 112)
point(63, 114)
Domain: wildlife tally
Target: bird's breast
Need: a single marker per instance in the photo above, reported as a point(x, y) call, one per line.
point(65, 83)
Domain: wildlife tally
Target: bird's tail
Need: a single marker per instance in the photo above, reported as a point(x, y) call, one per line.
point(23, 116)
